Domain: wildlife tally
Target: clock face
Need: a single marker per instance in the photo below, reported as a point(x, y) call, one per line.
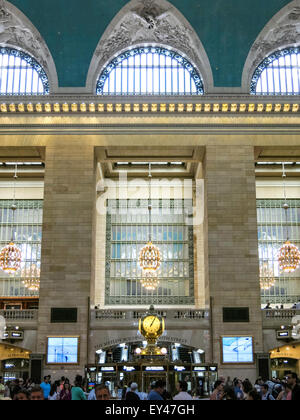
point(152, 324)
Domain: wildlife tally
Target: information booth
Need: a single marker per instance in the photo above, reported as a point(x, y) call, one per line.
point(200, 378)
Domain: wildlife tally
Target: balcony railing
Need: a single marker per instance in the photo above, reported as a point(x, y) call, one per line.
point(280, 314)
point(20, 315)
point(191, 315)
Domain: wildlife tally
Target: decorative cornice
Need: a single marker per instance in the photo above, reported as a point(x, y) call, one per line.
point(95, 106)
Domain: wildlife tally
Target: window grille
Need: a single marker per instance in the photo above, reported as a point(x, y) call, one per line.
point(21, 74)
point(278, 74)
point(271, 236)
point(127, 232)
point(28, 236)
point(150, 71)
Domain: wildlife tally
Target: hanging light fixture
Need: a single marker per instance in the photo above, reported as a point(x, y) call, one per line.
point(150, 257)
point(31, 278)
point(11, 256)
point(289, 255)
point(267, 279)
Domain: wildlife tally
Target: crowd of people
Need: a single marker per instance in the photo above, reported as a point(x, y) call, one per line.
point(18, 390)
point(275, 389)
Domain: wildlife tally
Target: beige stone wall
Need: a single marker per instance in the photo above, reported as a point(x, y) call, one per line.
point(232, 244)
point(25, 190)
point(67, 242)
point(273, 189)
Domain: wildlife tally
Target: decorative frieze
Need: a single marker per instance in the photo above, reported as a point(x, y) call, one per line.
point(147, 108)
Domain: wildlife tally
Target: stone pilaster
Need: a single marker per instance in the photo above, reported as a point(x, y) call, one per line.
point(232, 246)
point(67, 244)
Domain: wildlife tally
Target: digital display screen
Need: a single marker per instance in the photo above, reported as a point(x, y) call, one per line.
point(63, 350)
point(237, 350)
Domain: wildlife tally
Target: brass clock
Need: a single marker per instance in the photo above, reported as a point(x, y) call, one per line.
point(152, 326)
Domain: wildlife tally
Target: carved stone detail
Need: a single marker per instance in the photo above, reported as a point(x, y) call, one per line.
point(150, 21)
point(15, 32)
point(285, 33)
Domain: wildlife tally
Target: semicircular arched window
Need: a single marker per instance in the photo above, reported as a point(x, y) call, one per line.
point(21, 74)
point(278, 74)
point(150, 71)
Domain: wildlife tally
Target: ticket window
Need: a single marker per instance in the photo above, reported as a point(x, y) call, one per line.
point(127, 377)
point(149, 378)
point(204, 380)
point(110, 379)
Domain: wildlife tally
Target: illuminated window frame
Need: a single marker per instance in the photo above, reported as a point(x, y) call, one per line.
point(27, 229)
point(283, 70)
point(127, 229)
point(22, 75)
point(109, 82)
point(272, 232)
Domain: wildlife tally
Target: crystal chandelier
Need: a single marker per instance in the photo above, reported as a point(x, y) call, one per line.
point(288, 255)
point(11, 255)
point(267, 279)
point(150, 281)
point(150, 256)
point(31, 278)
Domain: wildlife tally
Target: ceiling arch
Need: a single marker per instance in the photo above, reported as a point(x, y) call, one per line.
point(148, 22)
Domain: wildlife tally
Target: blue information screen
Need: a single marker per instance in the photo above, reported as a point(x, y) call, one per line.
point(238, 350)
point(63, 350)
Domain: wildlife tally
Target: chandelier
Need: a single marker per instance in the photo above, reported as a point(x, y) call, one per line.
point(11, 255)
point(150, 281)
point(31, 278)
point(267, 279)
point(150, 256)
point(288, 255)
point(10, 258)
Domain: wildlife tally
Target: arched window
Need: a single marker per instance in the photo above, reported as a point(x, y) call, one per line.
point(150, 71)
point(20, 74)
point(279, 74)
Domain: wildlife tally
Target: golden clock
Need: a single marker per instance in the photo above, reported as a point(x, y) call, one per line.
point(152, 326)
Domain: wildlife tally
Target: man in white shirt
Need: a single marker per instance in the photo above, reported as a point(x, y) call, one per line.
point(182, 395)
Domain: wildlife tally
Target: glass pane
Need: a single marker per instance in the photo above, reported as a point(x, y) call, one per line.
point(149, 71)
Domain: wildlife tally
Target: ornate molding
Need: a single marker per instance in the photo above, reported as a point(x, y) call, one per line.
point(16, 31)
point(148, 22)
point(282, 31)
point(287, 33)
point(154, 22)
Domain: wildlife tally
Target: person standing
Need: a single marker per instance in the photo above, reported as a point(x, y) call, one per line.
point(285, 394)
point(292, 381)
point(65, 394)
point(218, 392)
point(2, 388)
point(102, 393)
point(77, 391)
point(266, 395)
point(182, 395)
point(46, 387)
point(157, 392)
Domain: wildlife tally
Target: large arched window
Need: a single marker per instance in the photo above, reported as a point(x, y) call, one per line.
point(150, 71)
point(20, 74)
point(278, 74)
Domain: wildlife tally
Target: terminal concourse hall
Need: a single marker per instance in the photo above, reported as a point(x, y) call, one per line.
point(149, 194)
